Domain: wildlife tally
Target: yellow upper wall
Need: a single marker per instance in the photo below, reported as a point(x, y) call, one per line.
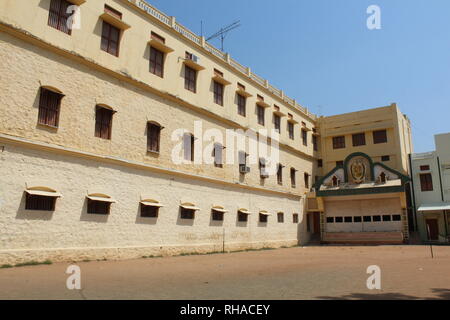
point(31, 16)
point(133, 60)
point(389, 118)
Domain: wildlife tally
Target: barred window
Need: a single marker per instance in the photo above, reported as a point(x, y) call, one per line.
point(39, 203)
point(187, 214)
point(58, 16)
point(98, 207)
point(49, 105)
point(149, 211)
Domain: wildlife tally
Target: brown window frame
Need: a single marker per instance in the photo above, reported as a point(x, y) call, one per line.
point(190, 79)
point(261, 113)
point(107, 39)
point(153, 137)
point(49, 107)
point(315, 143)
point(426, 182)
point(339, 142)
point(219, 89)
point(380, 136)
point(39, 203)
point(242, 105)
point(277, 123)
point(295, 218)
point(304, 137)
point(319, 163)
point(359, 139)
point(103, 122)
point(58, 16)
point(425, 167)
point(385, 158)
point(98, 207)
point(291, 130)
point(157, 62)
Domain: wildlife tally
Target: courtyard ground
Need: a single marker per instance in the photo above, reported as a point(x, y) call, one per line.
point(407, 272)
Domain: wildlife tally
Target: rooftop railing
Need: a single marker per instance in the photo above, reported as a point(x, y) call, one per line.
point(170, 21)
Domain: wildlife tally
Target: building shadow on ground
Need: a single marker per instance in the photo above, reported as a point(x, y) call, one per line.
point(440, 294)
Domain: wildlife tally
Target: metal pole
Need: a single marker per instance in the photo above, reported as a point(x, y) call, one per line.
point(431, 245)
point(223, 241)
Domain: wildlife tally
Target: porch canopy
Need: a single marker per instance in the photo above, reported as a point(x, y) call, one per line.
point(434, 207)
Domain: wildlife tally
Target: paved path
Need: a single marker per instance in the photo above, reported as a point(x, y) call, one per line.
point(408, 272)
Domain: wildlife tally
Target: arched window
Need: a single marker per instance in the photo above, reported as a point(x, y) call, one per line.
point(103, 121)
point(49, 106)
point(153, 136)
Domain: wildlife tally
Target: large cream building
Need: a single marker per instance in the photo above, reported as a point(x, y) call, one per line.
point(87, 123)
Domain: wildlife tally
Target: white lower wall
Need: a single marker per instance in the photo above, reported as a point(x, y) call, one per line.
point(69, 233)
point(360, 208)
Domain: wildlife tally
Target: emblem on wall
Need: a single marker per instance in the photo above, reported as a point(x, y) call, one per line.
point(358, 171)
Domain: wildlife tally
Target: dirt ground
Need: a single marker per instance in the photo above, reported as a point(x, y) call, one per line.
point(407, 272)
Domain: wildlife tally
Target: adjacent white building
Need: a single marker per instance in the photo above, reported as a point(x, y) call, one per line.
point(431, 180)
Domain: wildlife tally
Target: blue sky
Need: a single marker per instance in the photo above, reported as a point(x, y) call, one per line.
point(321, 53)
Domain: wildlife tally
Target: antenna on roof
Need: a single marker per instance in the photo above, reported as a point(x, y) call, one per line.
point(223, 32)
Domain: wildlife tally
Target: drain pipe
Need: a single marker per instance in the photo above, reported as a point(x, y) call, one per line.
point(413, 193)
point(442, 195)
